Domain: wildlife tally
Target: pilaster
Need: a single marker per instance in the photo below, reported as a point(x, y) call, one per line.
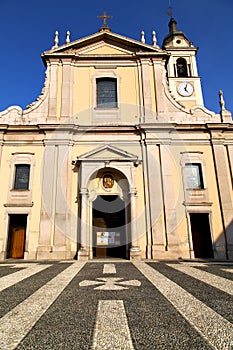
point(146, 89)
point(55, 224)
point(170, 200)
point(67, 89)
point(161, 102)
point(159, 240)
point(53, 89)
point(224, 183)
point(47, 205)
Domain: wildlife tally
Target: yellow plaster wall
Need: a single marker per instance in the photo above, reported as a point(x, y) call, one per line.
point(128, 94)
point(128, 99)
point(82, 96)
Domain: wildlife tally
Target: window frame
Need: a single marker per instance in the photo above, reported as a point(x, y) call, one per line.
point(105, 115)
point(113, 100)
point(16, 181)
point(199, 177)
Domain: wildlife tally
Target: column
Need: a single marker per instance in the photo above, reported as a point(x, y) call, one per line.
point(135, 253)
point(83, 253)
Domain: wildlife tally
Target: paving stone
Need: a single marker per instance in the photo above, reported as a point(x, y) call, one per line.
point(74, 319)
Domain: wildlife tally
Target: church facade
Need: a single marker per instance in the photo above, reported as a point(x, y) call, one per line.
point(118, 157)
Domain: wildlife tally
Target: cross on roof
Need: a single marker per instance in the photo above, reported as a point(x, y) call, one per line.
point(105, 17)
point(169, 11)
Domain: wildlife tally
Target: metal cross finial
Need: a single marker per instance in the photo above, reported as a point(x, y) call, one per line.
point(105, 17)
point(169, 11)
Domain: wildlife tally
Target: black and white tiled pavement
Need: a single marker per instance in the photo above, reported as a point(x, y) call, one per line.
point(116, 305)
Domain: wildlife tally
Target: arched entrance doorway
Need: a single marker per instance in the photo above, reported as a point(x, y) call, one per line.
point(110, 236)
point(102, 187)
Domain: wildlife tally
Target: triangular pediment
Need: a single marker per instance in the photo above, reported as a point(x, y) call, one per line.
point(104, 43)
point(108, 153)
point(103, 48)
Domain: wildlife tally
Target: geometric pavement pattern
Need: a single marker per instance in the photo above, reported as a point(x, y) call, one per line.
point(116, 305)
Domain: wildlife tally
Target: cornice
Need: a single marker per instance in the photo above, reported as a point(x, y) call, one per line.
point(20, 127)
point(214, 129)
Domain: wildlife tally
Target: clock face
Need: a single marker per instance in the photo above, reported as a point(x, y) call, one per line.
point(185, 89)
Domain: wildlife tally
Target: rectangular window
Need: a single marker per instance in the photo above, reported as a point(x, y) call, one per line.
point(22, 172)
point(106, 93)
point(193, 175)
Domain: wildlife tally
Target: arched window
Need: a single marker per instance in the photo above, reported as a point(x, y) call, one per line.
point(106, 92)
point(181, 67)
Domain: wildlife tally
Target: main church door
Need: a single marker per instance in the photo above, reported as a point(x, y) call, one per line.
point(109, 227)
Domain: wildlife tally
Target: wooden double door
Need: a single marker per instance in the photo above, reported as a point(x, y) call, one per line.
point(16, 236)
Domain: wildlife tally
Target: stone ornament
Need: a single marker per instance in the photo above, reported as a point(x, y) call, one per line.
point(143, 40)
point(56, 40)
point(154, 39)
point(221, 100)
point(108, 181)
point(68, 37)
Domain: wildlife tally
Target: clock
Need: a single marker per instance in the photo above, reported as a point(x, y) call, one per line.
point(185, 89)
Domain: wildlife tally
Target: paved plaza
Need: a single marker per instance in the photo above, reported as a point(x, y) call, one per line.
point(111, 305)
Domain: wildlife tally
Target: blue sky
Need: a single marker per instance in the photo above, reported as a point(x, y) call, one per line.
point(27, 29)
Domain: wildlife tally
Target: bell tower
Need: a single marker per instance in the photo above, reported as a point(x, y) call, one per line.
point(184, 82)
